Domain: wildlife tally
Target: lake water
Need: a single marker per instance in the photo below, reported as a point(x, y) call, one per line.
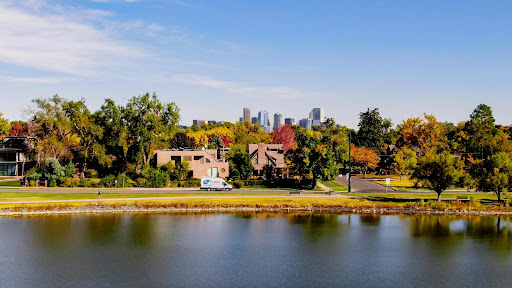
point(255, 250)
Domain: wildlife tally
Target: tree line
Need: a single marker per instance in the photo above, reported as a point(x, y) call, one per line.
point(122, 138)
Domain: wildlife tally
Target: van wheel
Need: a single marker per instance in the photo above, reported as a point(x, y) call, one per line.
point(209, 189)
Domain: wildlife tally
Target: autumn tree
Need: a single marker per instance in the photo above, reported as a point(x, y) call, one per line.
point(17, 128)
point(405, 162)
point(55, 138)
point(438, 171)
point(284, 135)
point(215, 142)
point(364, 158)
point(423, 135)
point(82, 124)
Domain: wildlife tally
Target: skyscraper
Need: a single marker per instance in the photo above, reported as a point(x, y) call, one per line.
point(278, 121)
point(254, 120)
point(289, 121)
point(247, 114)
point(318, 114)
point(264, 121)
point(305, 123)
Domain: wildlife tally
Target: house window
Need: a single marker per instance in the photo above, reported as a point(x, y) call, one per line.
point(255, 161)
point(207, 160)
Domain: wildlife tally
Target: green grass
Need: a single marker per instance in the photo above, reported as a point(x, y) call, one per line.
point(335, 186)
point(404, 184)
point(14, 183)
point(432, 195)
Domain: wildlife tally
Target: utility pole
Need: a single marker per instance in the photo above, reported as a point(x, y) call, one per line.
point(349, 163)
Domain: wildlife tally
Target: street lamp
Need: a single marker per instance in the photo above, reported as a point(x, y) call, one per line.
point(349, 163)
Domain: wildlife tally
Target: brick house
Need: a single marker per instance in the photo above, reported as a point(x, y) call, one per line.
point(266, 154)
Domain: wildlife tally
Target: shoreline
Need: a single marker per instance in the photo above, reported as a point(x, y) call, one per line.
point(92, 210)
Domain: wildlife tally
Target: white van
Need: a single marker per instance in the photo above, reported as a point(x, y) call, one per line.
point(208, 183)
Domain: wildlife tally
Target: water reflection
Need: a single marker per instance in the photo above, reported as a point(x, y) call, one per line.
point(270, 249)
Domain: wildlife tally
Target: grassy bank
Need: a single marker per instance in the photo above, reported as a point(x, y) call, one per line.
point(275, 203)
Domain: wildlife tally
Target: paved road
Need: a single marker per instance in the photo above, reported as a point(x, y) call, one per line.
point(361, 186)
point(133, 191)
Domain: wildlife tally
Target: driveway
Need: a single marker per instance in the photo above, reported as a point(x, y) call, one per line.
point(361, 186)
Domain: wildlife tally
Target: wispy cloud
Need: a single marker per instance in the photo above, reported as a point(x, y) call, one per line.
point(51, 41)
point(38, 80)
point(243, 89)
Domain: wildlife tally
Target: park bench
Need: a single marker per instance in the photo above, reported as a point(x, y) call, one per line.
point(292, 192)
point(462, 197)
point(329, 192)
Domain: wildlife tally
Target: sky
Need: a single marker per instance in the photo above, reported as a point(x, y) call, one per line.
point(213, 58)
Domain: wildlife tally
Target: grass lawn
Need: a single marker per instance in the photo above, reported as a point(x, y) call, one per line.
point(405, 184)
point(432, 195)
point(335, 186)
point(14, 183)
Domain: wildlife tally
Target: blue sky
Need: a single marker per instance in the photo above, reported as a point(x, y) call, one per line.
point(214, 58)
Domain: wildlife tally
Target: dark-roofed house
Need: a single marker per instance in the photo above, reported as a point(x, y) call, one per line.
point(266, 154)
point(12, 156)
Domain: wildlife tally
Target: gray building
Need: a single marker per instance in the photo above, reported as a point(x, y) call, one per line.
point(306, 123)
point(197, 122)
point(264, 121)
point(278, 121)
point(318, 115)
point(289, 121)
point(254, 120)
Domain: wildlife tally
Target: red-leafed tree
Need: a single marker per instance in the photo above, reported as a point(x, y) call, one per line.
point(284, 135)
point(16, 130)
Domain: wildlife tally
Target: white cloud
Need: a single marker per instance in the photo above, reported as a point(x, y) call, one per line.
point(38, 80)
point(51, 41)
point(244, 89)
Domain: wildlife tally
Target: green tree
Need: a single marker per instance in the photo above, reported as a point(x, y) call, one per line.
point(239, 162)
point(373, 130)
point(313, 156)
point(115, 134)
point(215, 142)
point(53, 170)
point(405, 162)
point(438, 171)
point(480, 130)
point(69, 170)
point(4, 126)
point(494, 174)
point(149, 124)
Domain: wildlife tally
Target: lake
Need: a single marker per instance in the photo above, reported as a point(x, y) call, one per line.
point(255, 250)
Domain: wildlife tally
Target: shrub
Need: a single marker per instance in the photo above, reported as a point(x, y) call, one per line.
point(123, 180)
point(34, 177)
point(91, 173)
point(53, 170)
point(187, 183)
point(157, 179)
point(53, 183)
point(32, 183)
point(84, 183)
point(238, 184)
point(141, 182)
point(70, 170)
point(108, 181)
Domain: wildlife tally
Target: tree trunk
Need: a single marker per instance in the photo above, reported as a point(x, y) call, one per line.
point(499, 197)
point(439, 196)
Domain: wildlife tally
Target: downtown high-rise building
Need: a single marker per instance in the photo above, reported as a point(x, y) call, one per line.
point(278, 121)
point(289, 121)
point(254, 120)
point(247, 114)
point(264, 121)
